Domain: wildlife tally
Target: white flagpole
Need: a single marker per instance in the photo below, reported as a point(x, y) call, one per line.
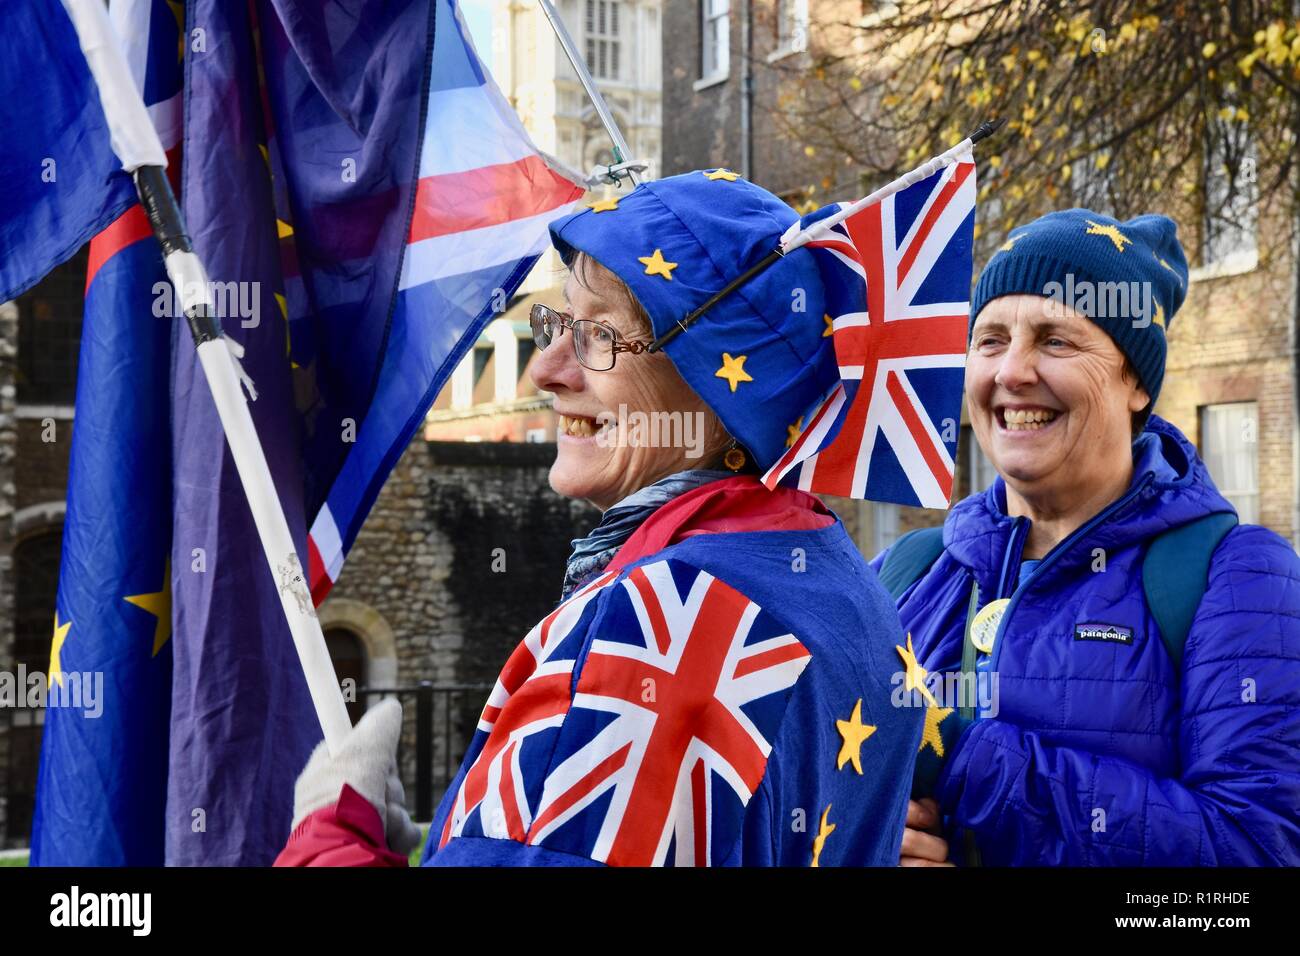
point(136, 143)
point(623, 165)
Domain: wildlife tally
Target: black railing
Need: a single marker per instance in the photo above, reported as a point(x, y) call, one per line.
point(438, 728)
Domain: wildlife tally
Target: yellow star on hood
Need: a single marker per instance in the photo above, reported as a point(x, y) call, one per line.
point(853, 731)
point(725, 174)
point(1011, 241)
point(914, 679)
point(830, 327)
point(159, 604)
point(934, 716)
point(604, 205)
point(1159, 317)
point(792, 432)
point(56, 647)
point(823, 831)
point(656, 266)
point(1110, 232)
point(733, 370)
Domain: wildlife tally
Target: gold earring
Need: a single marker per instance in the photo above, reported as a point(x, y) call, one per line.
point(734, 458)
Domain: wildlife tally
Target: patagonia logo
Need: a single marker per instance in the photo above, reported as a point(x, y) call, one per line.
point(1106, 633)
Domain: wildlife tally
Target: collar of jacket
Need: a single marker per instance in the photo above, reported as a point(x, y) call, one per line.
point(1170, 487)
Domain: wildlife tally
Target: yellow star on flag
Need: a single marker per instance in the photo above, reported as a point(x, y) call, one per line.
point(934, 716)
point(56, 647)
point(159, 604)
point(656, 266)
point(792, 432)
point(914, 678)
point(725, 174)
point(733, 370)
point(604, 205)
point(830, 327)
point(853, 732)
point(1110, 232)
point(823, 831)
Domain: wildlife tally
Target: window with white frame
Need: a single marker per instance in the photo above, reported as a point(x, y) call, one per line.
point(715, 37)
point(603, 45)
point(791, 26)
point(1231, 199)
point(1230, 449)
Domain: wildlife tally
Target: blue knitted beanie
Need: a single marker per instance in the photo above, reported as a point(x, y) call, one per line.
point(1128, 277)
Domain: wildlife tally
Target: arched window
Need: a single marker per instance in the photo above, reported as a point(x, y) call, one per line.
point(349, 659)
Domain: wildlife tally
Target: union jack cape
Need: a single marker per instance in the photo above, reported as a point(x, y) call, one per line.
point(688, 708)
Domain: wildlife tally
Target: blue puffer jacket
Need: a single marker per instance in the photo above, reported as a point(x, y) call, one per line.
point(1103, 754)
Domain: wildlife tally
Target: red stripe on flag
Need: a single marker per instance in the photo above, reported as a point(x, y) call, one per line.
point(658, 623)
point(594, 778)
point(700, 812)
point(125, 230)
point(317, 578)
point(487, 196)
point(919, 435)
point(779, 655)
point(937, 209)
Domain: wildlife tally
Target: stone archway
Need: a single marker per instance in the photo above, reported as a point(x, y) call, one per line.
point(372, 630)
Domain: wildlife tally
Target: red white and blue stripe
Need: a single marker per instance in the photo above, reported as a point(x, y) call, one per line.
point(482, 206)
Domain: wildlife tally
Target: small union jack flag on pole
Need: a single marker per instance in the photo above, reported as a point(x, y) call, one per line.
point(897, 272)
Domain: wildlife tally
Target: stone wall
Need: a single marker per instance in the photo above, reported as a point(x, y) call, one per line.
point(463, 552)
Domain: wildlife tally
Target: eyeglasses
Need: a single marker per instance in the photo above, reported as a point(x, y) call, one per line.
point(595, 344)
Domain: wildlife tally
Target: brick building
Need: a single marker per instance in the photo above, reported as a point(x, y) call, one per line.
point(1232, 373)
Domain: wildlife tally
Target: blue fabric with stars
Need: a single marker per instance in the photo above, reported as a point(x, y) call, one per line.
point(707, 228)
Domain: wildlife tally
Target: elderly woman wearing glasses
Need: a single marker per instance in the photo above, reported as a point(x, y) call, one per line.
point(714, 687)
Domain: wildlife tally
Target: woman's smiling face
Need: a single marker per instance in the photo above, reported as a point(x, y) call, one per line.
point(598, 463)
point(1049, 401)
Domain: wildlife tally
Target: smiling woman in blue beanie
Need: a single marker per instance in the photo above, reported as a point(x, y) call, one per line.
point(1130, 654)
point(715, 687)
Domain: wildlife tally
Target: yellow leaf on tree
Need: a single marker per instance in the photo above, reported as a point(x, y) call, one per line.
point(1102, 160)
point(1209, 49)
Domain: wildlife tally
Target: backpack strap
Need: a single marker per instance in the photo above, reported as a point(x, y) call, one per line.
point(909, 558)
point(1175, 574)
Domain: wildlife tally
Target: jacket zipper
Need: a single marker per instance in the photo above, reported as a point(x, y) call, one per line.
point(1053, 555)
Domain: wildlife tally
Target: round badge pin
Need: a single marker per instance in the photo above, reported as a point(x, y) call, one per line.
point(985, 626)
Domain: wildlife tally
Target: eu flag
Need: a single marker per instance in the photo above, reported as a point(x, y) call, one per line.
point(103, 775)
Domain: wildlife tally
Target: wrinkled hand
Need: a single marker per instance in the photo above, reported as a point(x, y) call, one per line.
point(368, 764)
point(922, 844)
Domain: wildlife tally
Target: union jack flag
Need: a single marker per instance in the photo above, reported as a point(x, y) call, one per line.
point(897, 274)
point(652, 757)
